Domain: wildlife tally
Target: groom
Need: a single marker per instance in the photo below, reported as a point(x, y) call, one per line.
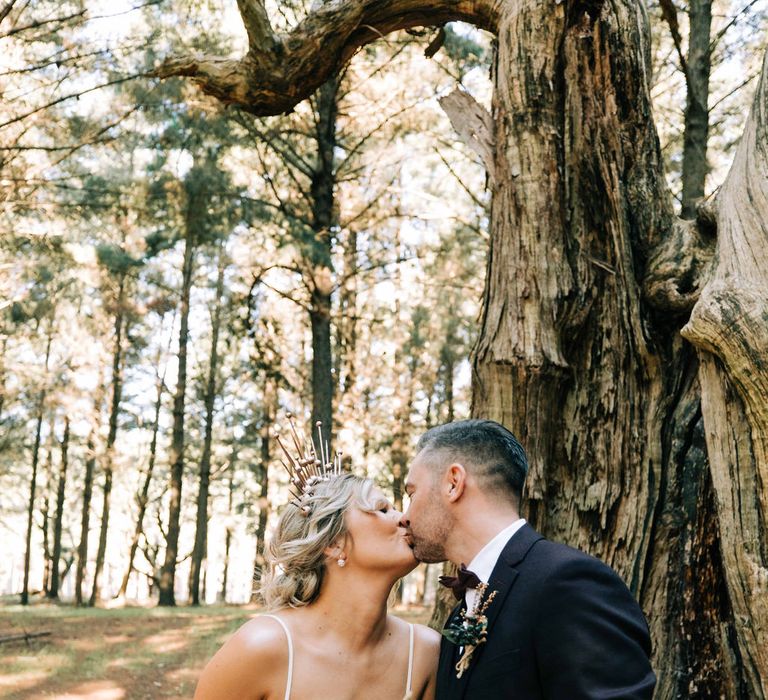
point(560, 624)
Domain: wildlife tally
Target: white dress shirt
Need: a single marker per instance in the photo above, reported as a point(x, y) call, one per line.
point(485, 560)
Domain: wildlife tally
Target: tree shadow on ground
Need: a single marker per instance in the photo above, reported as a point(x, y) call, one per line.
point(111, 654)
point(119, 654)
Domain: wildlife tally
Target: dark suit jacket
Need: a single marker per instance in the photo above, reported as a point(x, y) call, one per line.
point(563, 625)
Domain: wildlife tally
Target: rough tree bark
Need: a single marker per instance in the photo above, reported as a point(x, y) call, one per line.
point(729, 327)
point(590, 279)
point(201, 530)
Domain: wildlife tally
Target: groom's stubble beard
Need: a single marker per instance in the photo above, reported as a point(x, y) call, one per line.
point(430, 537)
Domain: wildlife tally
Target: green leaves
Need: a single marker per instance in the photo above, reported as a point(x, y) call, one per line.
point(115, 259)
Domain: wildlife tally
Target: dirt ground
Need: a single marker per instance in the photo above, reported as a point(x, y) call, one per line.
point(110, 654)
point(127, 653)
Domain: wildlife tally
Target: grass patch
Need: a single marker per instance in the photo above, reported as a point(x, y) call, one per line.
point(120, 653)
point(103, 654)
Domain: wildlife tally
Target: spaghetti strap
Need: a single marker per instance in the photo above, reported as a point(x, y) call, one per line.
point(409, 681)
point(290, 655)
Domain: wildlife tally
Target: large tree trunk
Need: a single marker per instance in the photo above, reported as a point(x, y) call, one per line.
point(729, 327)
point(53, 592)
point(168, 570)
point(109, 452)
point(593, 377)
point(590, 279)
point(201, 531)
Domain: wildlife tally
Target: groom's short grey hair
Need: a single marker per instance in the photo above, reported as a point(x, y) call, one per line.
point(485, 448)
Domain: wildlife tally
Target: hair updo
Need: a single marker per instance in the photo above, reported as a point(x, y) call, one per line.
point(296, 553)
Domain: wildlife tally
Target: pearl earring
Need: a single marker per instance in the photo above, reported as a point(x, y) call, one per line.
point(341, 562)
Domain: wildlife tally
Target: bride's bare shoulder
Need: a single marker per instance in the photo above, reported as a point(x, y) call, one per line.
point(428, 639)
point(252, 662)
point(263, 635)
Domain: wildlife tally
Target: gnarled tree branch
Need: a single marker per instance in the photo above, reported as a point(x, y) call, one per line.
point(279, 71)
point(680, 264)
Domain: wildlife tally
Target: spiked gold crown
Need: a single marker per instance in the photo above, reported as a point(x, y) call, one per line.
point(309, 466)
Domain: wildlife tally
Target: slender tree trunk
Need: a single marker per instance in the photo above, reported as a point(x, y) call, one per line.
point(168, 570)
point(3, 376)
point(109, 452)
point(696, 133)
point(82, 550)
point(33, 481)
point(222, 597)
point(90, 468)
point(424, 585)
point(57, 524)
point(201, 531)
point(31, 508)
point(45, 511)
point(347, 325)
point(270, 400)
point(324, 218)
point(448, 357)
point(142, 498)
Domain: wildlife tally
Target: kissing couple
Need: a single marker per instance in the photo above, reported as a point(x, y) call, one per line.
point(533, 619)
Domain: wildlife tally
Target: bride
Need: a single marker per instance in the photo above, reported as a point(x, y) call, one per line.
point(337, 552)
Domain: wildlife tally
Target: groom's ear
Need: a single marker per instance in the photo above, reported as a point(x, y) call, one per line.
point(455, 481)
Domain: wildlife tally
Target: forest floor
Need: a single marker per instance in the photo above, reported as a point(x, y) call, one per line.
point(120, 654)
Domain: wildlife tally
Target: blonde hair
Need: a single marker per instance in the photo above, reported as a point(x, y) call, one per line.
point(296, 556)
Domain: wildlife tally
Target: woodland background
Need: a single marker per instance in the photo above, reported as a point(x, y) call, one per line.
point(176, 276)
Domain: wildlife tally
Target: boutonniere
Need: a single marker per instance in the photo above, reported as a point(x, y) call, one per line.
point(470, 630)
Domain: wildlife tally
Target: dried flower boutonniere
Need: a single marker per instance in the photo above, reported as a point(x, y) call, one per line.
point(471, 628)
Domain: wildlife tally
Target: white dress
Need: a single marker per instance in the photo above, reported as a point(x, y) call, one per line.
point(408, 682)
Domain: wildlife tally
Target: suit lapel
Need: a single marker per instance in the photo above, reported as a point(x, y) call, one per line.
point(501, 580)
point(505, 573)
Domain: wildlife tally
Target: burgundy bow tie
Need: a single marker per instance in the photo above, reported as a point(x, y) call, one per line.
point(459, 584)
